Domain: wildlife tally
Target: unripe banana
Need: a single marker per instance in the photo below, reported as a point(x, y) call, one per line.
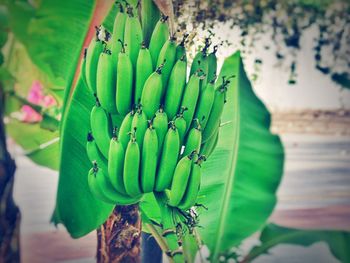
point(149, 17)
point(180, 179)
point(159, 36)
point(170, 152)
point(200, 64)
point(175, 88)
point(139, 125)
point(101, 128)
point(92, 56)
point(181, 50)
point(133, 36)
point(194, 140)
point(132, 167)
point(124, 82)
point(144, 69)
point(106, 81)
point(118, 33)
point(212, 65)
point(109, 192)
point(190, 98)
point(95, 189)
point(152, 93)
point(216, 111)
point(149, 160)
point(208, 147)
point(160, 124)
point(205, 103)
point(94, 153)
point(167, 57)
point(125, 128)
point(116, 164)
point(193, 186)
point(181, 125)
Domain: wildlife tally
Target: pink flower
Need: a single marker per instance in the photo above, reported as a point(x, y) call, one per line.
point(30, 115)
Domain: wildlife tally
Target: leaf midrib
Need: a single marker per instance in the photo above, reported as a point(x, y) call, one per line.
point(230, 179)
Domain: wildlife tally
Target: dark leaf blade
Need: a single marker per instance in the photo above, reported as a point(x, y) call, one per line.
point(241, 196)
point(76, 208)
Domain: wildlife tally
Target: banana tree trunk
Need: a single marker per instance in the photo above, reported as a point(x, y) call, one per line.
point(10, 216)
point(119, 238)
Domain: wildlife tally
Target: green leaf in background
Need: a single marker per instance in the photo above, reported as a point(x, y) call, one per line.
point(272, 235)
point(240, 179)
point(76, 207)
point(53, 33)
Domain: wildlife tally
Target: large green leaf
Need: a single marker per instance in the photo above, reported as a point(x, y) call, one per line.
point(76, 207)
point(272, 235)
point(241, 177)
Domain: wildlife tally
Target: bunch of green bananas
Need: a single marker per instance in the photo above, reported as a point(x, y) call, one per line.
point(151, 129)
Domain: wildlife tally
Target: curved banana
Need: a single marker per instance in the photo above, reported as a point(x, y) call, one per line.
point(93, 52)
point(101, 128)
point(109, 192)
point(93, 152)
point(144, 69)
point(200, 64)
point(152, 93)
point(205, 103)
point(180, 179)
point(118, 33)
point(105, 82)
point(124, 82)
point(132, 167)
point(139, 125)
point(194, 140)
point(190, 98)
point(133, 36)
point(193, 186)
point(181, 50)
point(149, 160)
point(170, 153)
point(212, 65)
point(216, 111)
point(167, 57)
point(159, 36)
point(116, 164)
point(175, 88)
point(95, 189)
point(208, 147)
point(181, 125)
point(160, 124)
point(125, 128)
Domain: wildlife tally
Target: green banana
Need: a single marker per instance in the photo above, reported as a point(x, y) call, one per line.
point(110, 193)
point(216, 111)
point(181, 175)
point(93, 52)
point(167, 57)
point(144, 69)
point(181, 50)
point(118, 33)
point(149, 159)
point(101, 128)
point(125, 128)
point(170, 152)
point(175, 88)
point(208, 147)
point(152, 93)
point(160, 124)
point(212, 65)
point(180, 124)
point(149, 17)
point(205, 103)
point(159, 36)
point(200, 64)
point(116, 163)
point(193, 186)
point(124, 82)
point(105, 82)
point(95, 189)
point(139, 125)
point(132, 167)
point(190, 98)
point(133, 36)
point(194, 140)
point(93, 152)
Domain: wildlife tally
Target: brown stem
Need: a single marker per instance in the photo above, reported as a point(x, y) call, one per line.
point(119, 238)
